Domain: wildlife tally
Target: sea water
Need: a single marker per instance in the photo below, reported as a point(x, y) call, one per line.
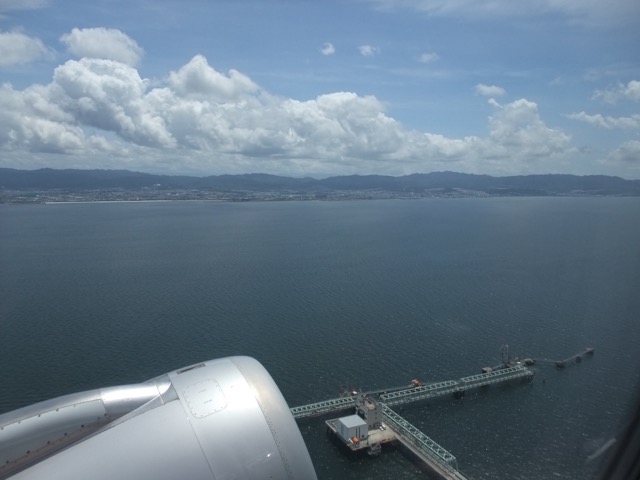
point(355, 294)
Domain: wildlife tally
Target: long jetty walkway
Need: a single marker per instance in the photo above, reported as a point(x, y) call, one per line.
point(455, 387)
point(439, 460)
point(577, 358)
point(413, 394)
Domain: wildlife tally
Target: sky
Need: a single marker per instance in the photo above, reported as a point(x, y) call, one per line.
point(322, 87)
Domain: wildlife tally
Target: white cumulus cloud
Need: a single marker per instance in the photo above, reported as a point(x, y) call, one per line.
point(105, 43)
point(428, 57)
point(598, 120)
point(621, 92)
point(197, 78)
point(29, 120)
point(200, 120)
point(111, 96)
point(368, 50)
point(489, 90)
point(628, 154)
point(17, 49)
point(328, 49)
point(517, 129)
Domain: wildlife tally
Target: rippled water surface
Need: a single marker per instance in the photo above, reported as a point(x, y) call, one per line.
point(329, 294)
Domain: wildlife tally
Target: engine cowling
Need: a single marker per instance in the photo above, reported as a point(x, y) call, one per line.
point(220, 419)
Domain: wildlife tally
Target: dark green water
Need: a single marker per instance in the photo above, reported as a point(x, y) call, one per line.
point(365, 294)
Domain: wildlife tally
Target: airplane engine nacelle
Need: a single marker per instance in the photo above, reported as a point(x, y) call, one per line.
point(217, 420)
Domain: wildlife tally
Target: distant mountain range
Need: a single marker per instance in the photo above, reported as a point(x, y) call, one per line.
point(551, 184)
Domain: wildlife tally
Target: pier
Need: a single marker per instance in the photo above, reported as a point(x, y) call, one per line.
point(577, 357)
point(413, 394)
point(374, 423)
point(389, 426)
point(455, 387)
point(438, 460)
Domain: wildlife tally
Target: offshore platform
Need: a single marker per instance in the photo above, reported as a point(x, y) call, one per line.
point(374, 423)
